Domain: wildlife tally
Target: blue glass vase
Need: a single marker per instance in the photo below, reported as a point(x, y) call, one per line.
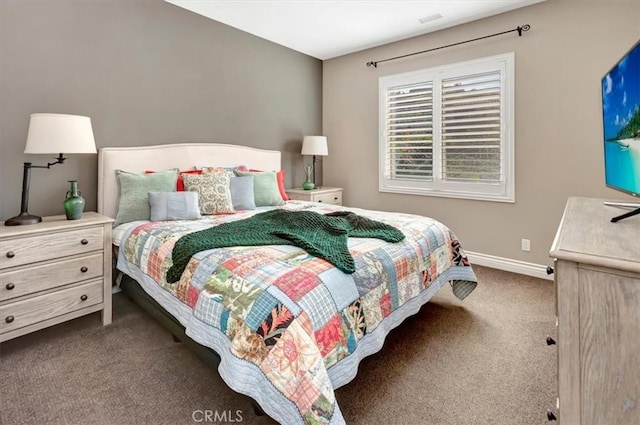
point(74, 202)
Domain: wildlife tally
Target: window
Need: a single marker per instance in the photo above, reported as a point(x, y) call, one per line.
point(448, 131)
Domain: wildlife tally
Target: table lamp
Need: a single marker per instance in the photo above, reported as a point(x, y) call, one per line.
point(316, 146)
point(52, 134)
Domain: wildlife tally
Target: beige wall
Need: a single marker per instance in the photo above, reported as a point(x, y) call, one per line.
point(558, 133)
point(146, 72)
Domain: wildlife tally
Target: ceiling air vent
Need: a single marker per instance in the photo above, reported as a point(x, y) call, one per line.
point(430, 18)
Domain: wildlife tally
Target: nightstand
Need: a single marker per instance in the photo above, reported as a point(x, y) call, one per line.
point(54, 271)
point(328, 195)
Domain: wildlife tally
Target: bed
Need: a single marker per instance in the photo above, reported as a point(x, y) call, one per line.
point(285, 327)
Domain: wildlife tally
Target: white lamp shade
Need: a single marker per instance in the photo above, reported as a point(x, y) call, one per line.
point(315, 145)
point(60, 133)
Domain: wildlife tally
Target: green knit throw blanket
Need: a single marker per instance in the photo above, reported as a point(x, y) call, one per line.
point(322, 235)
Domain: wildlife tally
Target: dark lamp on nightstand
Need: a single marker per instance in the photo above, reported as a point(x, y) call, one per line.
point(315, 146)
point(52, 134)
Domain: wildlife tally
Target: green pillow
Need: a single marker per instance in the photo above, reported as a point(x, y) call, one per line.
point(265, 188)
point(133, 198)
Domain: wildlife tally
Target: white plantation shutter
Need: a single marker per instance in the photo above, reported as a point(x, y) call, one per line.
point(410, 132)
point(470, 129)
point(448, 131)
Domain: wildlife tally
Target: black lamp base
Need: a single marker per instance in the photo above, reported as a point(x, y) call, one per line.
point(24, 218)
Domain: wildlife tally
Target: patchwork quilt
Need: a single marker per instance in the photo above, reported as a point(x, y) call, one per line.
point(290, 327)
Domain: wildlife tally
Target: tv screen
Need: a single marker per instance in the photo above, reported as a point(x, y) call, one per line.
point(621, 123)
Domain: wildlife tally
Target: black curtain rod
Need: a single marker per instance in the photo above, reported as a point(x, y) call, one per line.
point(520, 30)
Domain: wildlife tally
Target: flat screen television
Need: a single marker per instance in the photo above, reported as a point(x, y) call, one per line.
point(621, 124)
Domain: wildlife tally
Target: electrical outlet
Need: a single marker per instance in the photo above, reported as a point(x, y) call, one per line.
point(526, 245)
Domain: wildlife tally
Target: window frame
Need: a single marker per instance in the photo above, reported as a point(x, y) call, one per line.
point(504, 191)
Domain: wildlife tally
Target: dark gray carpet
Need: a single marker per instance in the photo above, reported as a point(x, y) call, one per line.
point(480, 361)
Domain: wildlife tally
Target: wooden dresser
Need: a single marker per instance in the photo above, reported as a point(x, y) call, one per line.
point(328, 195)
point(597, 279)
point(54, 271)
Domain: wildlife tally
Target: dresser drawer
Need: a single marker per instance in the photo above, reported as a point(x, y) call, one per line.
point(36, 309)
point(30, 279)
point(329, 198)
point(31, 249)
point(326, 195)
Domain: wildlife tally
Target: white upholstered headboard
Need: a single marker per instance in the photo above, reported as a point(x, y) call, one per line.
point(183, 156)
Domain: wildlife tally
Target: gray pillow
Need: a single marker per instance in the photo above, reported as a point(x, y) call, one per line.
point(133, 198)
point(265, 188)
point(242, 193)
point(174, 206)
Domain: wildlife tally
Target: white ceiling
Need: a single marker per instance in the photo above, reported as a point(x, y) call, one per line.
point(326, 29)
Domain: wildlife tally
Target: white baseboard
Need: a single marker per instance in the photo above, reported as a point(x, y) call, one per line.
point(509, 265)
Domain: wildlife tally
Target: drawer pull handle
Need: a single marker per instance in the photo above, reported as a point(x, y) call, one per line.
point(11, 254)
point(10, 286)
point(551, 416)
point(335, 198)
point(83, 269)
point(550, 341)
point(83, 297)
point(550, 270)
point(9, 319)
point(319, 200)
point(84, 242)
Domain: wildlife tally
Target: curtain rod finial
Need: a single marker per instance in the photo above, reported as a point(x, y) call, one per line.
point(372, 64)
point(524, 28)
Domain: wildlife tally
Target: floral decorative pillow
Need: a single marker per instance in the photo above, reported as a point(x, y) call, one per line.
point(222, 169)
point(214, 194)
point(211, 170)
